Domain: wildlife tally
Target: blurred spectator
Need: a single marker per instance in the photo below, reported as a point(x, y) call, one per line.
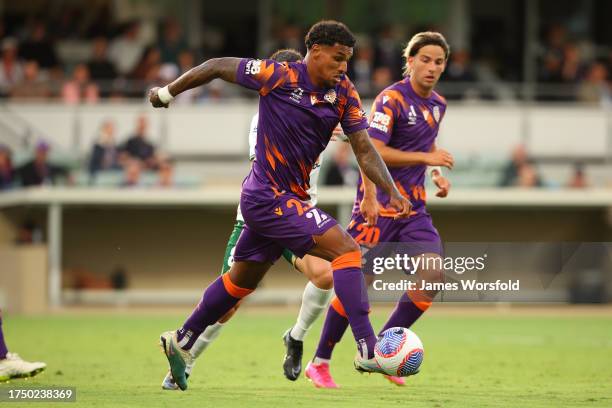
point(39, 171)
point(552, 54)
point(172, 41)
point(80, 89)
point(138, 147)
point(7, 172)
point(527, 177)
point(571, 68)
point(165, 174)
point(11, 69)
point(519, 171)
point(105, 154)
point(150, 60)
point(32, 86)
point(595, 88)
point(382, 78)
point(126, 50)
point(362, 67)
point(39, 47)
point(388, 53)
point(459, 67)
point(290, 36)
point(101, 69)
point(132, 172)
point(578, 178)
point(341, 171)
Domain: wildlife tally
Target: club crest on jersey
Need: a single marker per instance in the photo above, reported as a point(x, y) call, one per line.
point(425, 113)
point(330, 96)
point(412, 116)
point(296, 95)
point(436, 113)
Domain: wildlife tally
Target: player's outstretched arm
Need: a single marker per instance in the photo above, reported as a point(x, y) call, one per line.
point(375, 169)
point(399, 158)
point(224, 68)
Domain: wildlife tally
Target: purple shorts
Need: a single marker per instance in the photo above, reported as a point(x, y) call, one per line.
point(273, 224)
point(416, 232)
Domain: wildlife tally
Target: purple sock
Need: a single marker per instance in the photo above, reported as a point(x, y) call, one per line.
point(333, 329)
point(215, 302)
point(3, 349)
point(404, 315)
point(351, 290)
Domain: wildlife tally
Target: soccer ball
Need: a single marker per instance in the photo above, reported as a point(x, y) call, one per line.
point(399, 352)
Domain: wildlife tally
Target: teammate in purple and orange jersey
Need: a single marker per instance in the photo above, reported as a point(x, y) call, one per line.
point(300, 104)
point(404, 124)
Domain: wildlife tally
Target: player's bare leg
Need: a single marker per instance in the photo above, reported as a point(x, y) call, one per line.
point(219, 298)
point(316, 297)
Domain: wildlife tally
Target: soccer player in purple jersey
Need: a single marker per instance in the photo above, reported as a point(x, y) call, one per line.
point(318, 290)
point(300, 104)
point(404, 124)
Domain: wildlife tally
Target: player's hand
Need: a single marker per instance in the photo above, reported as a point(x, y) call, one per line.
point(440, 158)
point(443, 185)
point(154, 98)
point(369, 210)
point(402, 205)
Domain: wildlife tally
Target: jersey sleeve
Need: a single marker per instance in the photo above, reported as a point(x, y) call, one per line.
point(261, 75)
point(253, 136)
point(382, 117)
point(353, 117)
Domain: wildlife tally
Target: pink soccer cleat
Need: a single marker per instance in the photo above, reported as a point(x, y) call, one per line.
point(399, 381)
point(319, 375)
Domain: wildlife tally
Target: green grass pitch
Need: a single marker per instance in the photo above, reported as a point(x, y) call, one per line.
point(471, 360)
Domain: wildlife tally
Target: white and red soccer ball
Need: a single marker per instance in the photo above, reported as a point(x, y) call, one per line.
point(399, 352)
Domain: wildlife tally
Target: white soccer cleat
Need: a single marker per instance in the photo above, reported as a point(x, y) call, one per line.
point(14, 366)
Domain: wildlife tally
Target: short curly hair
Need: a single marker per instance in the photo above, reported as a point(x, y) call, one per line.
point(329, 32)
point(286, 55)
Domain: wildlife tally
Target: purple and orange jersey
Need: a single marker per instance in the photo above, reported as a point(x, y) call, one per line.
point(405, 121)
point(296, 120)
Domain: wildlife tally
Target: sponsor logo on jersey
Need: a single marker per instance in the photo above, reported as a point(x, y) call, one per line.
point(381, 121)
point(296, 95)
point(253, 67)
point(412, 116)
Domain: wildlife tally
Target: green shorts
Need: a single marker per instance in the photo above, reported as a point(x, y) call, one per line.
point(228, 258)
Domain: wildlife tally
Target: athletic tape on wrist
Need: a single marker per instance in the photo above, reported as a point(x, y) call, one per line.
point(164, 95)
